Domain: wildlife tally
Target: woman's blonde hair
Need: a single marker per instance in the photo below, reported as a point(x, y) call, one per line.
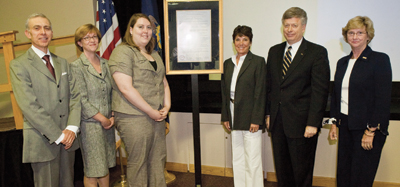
point(359, 22)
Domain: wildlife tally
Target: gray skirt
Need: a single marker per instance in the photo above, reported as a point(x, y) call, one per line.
point(98, 148)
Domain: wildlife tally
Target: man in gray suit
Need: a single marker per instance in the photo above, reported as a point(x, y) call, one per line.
point(50, 104)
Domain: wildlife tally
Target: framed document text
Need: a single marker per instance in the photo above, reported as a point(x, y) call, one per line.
point(193, 36)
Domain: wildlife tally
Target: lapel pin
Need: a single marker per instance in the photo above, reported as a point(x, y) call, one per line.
point(364, 57)
point(301, 54)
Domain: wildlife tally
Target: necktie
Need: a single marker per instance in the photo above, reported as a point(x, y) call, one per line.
point(286, 61)
point(48, 64)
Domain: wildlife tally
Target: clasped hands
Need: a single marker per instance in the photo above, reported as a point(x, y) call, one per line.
point(107, 123)
point(159, 115)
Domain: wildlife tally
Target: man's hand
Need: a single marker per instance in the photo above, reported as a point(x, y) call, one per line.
point(310, 131)
point(333, 132)
point(69, 138)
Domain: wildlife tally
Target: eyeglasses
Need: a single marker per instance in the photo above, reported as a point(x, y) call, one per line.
point(356, 33)
point(87, 38)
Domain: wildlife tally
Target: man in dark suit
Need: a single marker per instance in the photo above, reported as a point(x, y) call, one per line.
point(298, 82)
point(45, 92)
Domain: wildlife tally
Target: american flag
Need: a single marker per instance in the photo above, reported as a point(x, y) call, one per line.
point(107, 23)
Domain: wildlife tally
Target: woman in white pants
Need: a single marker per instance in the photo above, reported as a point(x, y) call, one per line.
point(243, 88)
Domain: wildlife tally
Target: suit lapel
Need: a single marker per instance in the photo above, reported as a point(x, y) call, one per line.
point(341, 69)
point(89, 67)
point(343, 64)
point(279, 61)
point(93, 71)
point(228, 73)
point(146, 62)
point(57, 67)
point(38, 63)
point(297, 59)
point(103, 64)
point(159, 63)
point(245, 64)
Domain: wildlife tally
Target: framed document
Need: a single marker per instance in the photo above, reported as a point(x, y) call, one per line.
point(193, 36)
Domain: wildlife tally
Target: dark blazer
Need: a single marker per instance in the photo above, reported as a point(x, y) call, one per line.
point(370, 89)
point(49, 105)
point(249, 93)
point(302, 95)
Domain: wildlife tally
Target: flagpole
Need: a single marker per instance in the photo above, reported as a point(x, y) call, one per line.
point(122, 182)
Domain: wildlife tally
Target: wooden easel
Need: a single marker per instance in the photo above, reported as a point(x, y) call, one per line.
point(7, 38)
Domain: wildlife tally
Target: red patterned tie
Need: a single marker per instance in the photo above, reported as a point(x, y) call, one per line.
point(48, 64)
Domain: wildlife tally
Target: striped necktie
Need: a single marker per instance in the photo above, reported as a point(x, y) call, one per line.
point(286, 62)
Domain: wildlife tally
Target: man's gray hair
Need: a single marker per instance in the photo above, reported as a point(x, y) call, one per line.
point(35, 15)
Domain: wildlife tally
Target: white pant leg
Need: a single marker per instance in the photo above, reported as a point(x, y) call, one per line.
point(252, 152)
point(238, 162)
point(246, 158)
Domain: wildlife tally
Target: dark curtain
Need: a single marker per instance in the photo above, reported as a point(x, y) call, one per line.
point(12, 171)
point(125, 9)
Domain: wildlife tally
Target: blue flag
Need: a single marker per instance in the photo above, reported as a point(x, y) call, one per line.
point(149, 7)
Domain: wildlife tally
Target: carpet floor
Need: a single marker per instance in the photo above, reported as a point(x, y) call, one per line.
point(184, 179)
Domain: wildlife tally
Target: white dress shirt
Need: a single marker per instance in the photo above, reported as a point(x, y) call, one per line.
point(344, 100)
point(235, 74)
point(41, 54)
point(294, 49)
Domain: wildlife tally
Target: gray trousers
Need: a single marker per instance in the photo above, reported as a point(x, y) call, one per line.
point(144, 141)
point(58, 172)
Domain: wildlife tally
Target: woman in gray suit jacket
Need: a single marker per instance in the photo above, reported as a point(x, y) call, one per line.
point(97, 138)
point(243, 88)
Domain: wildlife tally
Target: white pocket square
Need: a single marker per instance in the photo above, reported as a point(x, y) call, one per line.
point(64, 73)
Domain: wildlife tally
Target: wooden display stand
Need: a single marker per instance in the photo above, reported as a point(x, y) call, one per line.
point(7, 38)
